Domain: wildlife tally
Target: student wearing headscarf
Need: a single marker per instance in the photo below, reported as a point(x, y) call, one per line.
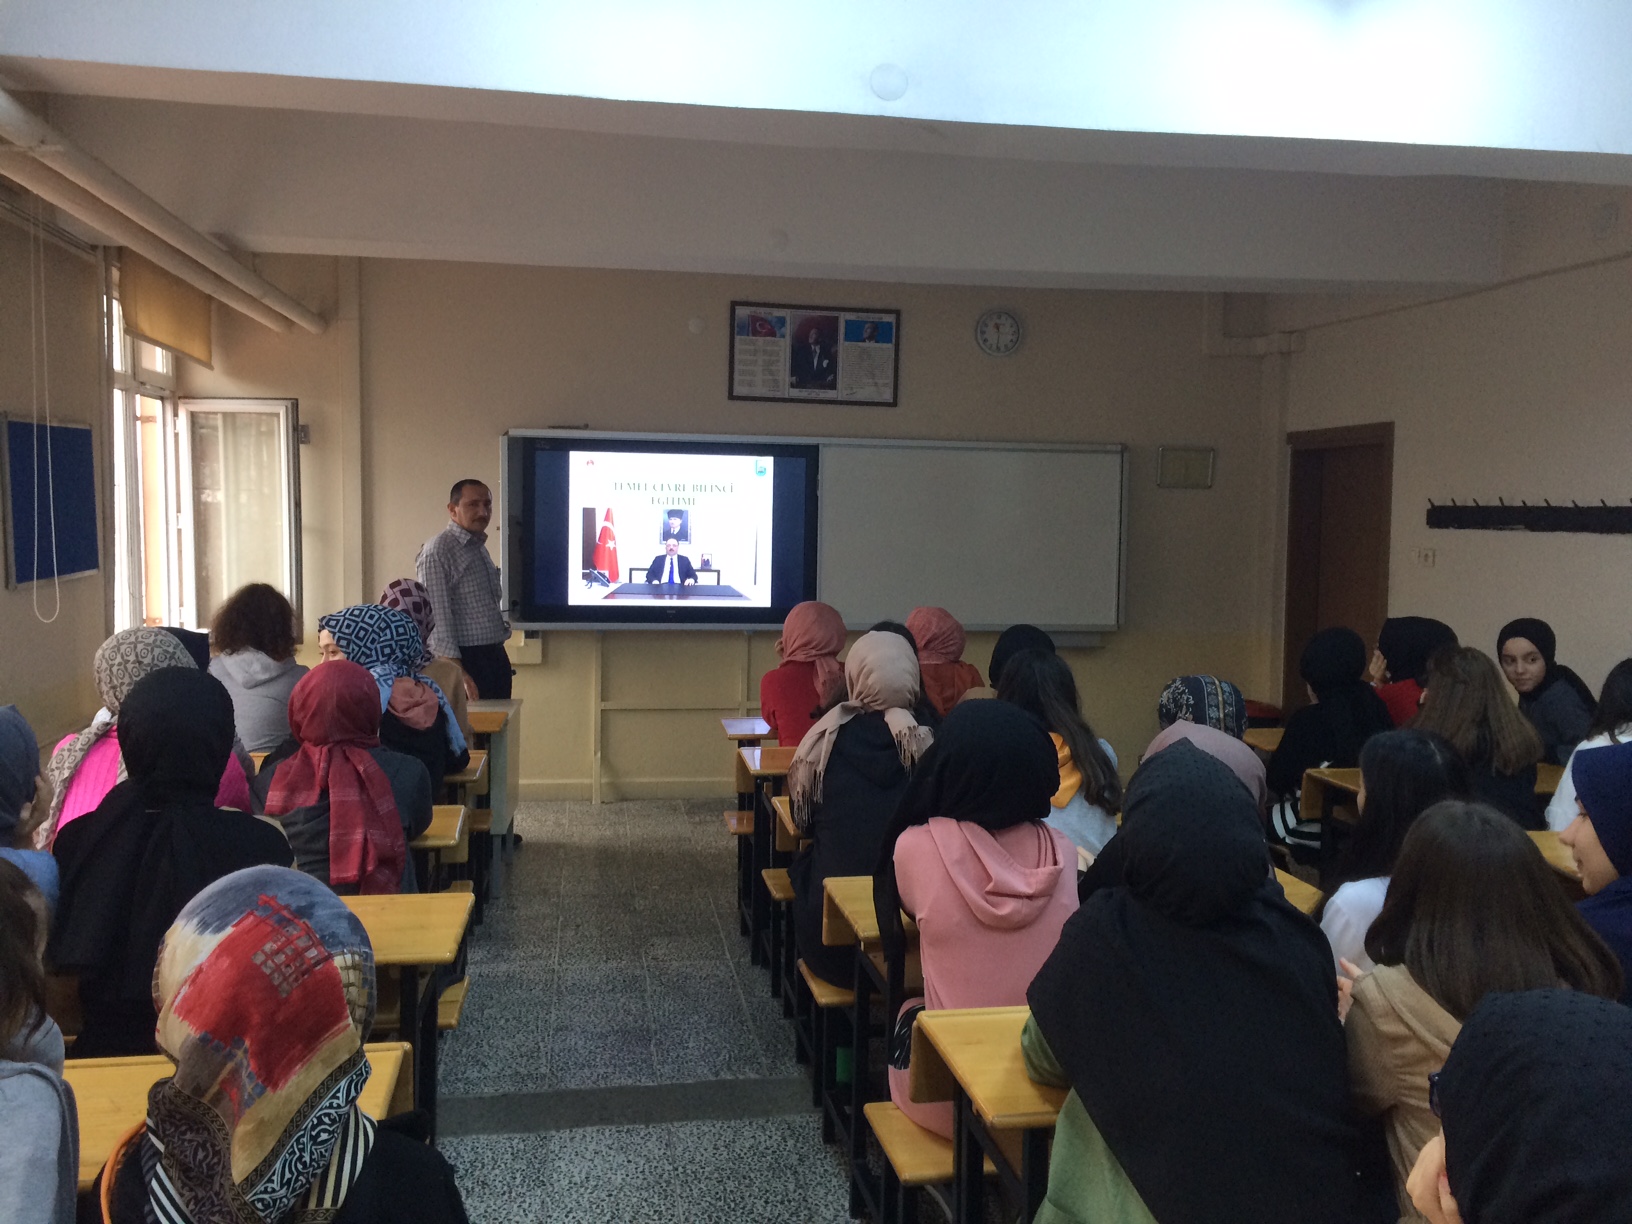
point(85, 767)
point(1536, 1104)
point(1009, 643)
point(1611, 724)
point(348, 806)
point(265, 992)
point(1399, 668)
point(1193, 1012)
point(1472, 909)
point(22, 805)
point(1090, 792)
point(254, 637)
point(410, 596)
point(1204, 700)
point(968, 856)
point(148, 848)
point(940, 638)
point(39, 1157)
point(1345, 712)
point(1600, 838)
point(417, 717)
point(1557, 702)
point(845, 781)
point(809, 677)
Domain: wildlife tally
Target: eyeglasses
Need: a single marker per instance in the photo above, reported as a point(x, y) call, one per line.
point(1433, 1092)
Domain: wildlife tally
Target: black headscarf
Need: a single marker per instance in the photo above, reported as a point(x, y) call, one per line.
point(1540, 634)
point(1536, 1099)
point(992, 764)
point(154, 841)
point(1334, 666)
point(1195, 1012)
point(1408, 642)
point(1013, 640)
point(196, 643)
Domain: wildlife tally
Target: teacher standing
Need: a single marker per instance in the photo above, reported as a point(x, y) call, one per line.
point(463, 582)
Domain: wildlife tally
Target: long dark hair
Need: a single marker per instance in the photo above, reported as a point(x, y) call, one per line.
point(1467, 703)
point(1405, 772)
point(1473, 908)
point(1614, 702)
point(1041, 684)
point(22, 978)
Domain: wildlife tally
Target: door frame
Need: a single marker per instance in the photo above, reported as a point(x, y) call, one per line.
point(1300, 609)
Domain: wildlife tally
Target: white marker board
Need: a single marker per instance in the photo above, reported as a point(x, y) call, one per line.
point(998, 534)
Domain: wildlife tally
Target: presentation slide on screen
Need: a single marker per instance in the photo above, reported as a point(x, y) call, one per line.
point(649, 528)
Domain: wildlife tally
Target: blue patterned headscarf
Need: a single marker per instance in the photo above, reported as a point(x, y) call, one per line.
point(388, 643)
point(1206, 701)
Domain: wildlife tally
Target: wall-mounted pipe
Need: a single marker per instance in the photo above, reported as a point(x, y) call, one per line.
point(51, 149)
point(46, 183)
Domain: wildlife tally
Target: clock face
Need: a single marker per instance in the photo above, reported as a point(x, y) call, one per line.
point(998, 333)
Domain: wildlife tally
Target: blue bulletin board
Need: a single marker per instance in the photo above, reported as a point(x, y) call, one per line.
point(49, 487)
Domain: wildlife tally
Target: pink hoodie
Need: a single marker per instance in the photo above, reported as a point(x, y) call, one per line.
point(989, 908)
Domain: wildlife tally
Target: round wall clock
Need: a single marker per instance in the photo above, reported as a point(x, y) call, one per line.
point(998, 333)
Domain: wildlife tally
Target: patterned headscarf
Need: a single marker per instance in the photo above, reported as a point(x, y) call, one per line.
point(387, 642)
point(1206, 700)
point(333, 715)
point(126, 657)
point(265, 994)
point(409, 595)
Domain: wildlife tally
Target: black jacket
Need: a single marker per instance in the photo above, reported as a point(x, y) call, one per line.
point(863, 783)
point(654, 571)
point(307, 828)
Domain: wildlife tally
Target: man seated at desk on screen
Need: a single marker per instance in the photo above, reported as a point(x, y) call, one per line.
point(671, 568)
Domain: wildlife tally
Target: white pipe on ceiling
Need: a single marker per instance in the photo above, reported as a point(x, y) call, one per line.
point(50, 148)
point(46, 183)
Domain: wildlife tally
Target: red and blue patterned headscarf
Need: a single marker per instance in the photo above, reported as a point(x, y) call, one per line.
point(265, 993)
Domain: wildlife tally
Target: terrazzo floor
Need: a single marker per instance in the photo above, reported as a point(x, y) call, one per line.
point(618, 1058)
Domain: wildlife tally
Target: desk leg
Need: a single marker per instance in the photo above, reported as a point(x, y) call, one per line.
point(1034, 1169)
point(764, 835)
point(860, 1076)
point(415, 1008)
point(968, 1163)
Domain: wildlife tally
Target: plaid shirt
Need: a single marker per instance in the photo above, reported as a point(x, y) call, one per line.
point(464, 585)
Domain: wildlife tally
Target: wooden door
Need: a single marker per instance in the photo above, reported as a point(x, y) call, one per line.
point(1339, 505)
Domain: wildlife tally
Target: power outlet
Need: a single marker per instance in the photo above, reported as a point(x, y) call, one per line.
point(1426, 558)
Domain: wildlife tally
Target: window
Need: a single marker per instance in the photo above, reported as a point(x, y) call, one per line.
point(206, 492)
point(241, 517)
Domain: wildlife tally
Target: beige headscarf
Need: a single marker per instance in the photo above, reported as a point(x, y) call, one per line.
point(881, 673)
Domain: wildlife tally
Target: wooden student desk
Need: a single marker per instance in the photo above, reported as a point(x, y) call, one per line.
point(464, 786)
point(973, 1058)
point(1324, 788)
point(849, 919)
point(415, 934)
point(1305, 896)
point(788, 837)
point(1265, 739)
point(111, 1096)
point(763, 771)
point(447, 838)
point(746, 732)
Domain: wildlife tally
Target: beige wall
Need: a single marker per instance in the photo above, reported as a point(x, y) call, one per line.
point(1524, 392)
point(454, 354)
point(45, 668)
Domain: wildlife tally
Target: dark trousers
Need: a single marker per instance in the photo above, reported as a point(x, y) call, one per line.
point(489, 666)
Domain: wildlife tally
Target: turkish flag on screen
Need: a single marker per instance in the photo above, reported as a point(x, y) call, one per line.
point(606, 549)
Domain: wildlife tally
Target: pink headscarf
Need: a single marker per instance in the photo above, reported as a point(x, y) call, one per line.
point(814, 633)
point(938, 634)
point(1242, 761)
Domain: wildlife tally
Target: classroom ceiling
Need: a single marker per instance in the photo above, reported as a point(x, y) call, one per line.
point(1283, 145)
